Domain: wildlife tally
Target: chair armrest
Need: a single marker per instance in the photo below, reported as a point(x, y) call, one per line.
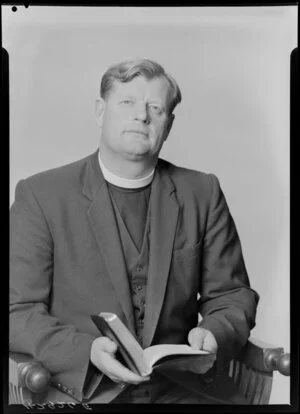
point(252, 370)
point(24, 371)
point(264, 357)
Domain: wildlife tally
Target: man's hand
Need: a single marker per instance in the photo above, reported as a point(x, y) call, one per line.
point(200, 338)
point(103, 356)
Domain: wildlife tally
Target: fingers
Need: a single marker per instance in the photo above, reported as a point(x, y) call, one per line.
point(108, 345)
point(103, 357)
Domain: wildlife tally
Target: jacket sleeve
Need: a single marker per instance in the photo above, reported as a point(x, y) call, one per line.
point(227, 304)
point(60, 348)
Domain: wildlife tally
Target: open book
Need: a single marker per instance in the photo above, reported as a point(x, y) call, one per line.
point(139, 360)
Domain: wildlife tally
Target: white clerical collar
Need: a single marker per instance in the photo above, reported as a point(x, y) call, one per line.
point(124, 182)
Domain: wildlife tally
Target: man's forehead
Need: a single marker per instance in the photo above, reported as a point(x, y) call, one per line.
point(139, 84)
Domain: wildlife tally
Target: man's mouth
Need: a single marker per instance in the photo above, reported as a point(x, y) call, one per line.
point(136, 131)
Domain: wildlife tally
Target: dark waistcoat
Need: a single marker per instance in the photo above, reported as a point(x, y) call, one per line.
point(134, 230)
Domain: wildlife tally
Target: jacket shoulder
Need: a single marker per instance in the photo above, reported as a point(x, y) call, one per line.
point(58, 179)
point(187, 179)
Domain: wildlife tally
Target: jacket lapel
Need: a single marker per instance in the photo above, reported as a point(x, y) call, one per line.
point(164, 215)
point(104, 226)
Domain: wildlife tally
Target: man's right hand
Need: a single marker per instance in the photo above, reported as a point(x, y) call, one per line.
point(103, 356)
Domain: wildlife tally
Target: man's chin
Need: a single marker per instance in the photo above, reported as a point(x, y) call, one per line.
point(137, 156)
point(138, 152)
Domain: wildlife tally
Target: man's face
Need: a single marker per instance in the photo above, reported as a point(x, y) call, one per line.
point(134, 118)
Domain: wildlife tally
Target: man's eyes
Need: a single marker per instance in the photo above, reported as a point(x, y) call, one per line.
point(152, 107)
point(127, 102)
point(155, 108)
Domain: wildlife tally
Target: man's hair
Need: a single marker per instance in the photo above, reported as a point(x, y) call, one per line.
point(129, 69)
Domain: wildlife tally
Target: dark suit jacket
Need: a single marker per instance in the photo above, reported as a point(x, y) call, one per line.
point(67, 263)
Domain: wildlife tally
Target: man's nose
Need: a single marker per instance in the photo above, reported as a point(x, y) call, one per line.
point(142, 112)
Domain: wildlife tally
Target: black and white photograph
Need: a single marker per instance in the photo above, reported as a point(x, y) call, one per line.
point(149, 180)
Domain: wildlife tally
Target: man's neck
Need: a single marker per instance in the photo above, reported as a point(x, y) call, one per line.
point(120, 180)
point(126, 168)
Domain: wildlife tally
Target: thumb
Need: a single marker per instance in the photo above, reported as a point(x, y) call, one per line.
point(196, 338)
point(109, 346)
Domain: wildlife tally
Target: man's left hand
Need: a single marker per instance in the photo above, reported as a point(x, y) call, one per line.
point(200, 338)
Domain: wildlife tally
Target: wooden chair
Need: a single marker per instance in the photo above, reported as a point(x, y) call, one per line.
point(252, 371)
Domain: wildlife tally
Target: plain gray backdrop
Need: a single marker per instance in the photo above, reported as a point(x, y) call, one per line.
point(233, 67)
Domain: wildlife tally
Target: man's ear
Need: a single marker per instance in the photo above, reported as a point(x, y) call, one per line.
point(99, 110)
point(169, 125)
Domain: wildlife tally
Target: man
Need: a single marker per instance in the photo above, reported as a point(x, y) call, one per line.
point(123, 231)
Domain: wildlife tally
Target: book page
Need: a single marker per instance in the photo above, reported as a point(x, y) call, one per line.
point(156, 352)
